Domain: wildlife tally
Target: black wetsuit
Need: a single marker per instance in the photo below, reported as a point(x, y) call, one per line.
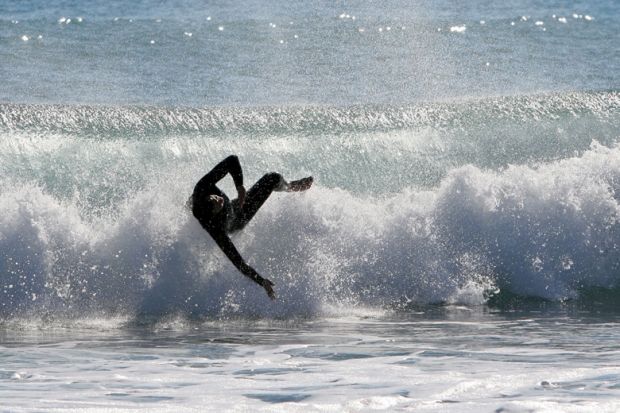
point(231, 217)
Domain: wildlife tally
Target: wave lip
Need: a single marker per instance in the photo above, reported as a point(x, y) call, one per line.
point(154, 121)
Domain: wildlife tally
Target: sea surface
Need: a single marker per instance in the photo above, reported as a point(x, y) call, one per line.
point(459, 251)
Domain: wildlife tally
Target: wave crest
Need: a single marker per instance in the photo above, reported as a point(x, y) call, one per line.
point(149, 121)
point(547, 231)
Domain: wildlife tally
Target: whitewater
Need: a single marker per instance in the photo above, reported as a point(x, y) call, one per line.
point(458, 251)
point(101, 226)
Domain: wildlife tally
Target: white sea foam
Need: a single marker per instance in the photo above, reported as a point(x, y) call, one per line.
point(479, 231)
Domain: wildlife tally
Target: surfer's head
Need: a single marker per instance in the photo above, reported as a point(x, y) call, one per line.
point(216, 202)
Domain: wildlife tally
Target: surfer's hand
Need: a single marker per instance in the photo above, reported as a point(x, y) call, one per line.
point(241, 195)
point(268, 286)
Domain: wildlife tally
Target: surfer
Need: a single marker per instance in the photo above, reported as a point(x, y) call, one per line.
point(219, 216)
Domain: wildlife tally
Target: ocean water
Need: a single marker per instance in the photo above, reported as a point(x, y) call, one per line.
point(459, 250)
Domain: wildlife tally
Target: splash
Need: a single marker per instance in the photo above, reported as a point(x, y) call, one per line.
point(546, 231)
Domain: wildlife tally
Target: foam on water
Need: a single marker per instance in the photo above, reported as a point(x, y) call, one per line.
point(436, 203)
point(548, 231)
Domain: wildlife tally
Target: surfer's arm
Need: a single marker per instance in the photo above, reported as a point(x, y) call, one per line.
point(226, 245)
point(231, 166)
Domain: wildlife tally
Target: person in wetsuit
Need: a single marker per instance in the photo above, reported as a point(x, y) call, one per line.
point(219, 216)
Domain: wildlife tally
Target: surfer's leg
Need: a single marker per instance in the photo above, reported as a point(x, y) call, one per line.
point(258, 194)
point(256, 197)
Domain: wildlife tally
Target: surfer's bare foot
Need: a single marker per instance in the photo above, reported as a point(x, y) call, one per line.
point(300, 184)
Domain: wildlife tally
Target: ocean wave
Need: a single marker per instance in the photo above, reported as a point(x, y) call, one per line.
point(104, 155)
point(150, 121)
point(549, 232)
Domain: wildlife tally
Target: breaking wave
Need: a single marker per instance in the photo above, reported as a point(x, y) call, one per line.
point(547, 231)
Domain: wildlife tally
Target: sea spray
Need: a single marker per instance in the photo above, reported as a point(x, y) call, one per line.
point(546, 231)
point(105, 154)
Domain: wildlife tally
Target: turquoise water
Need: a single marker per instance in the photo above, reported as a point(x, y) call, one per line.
point(458, 251)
